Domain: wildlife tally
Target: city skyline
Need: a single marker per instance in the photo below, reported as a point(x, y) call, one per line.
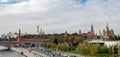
point(59, 15)
point(90, 31)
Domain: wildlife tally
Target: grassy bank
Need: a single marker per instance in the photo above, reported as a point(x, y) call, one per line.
point(87, 54)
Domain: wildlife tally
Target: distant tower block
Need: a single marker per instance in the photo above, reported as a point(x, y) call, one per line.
point(38, 29)
point(19, 36)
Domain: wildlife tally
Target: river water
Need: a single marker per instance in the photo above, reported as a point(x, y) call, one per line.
point(9, 53)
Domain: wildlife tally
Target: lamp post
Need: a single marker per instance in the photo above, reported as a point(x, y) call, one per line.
point(119, 48)
point(67, 47)
point(113, 50)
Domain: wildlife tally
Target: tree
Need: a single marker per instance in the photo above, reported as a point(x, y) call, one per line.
point(70, 39)
point(88, 49)
point(110, 50)
point(77, 40)
point(55, 40)
point(93, 50)
point(118, 48)
point(61, 40)
point(74, 34)
point(48, 45)
point(62, 46)
point(81, 48)
point(53, 46)
point(104, 49)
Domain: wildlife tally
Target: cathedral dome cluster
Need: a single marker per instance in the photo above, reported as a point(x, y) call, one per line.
point(92, 35)
point(107, 32)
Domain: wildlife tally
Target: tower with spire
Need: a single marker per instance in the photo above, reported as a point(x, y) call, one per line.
point(92, 29)
point(79, 32)
point(107, 30)
point(19, 36)
point(91, 33)
point(38, 32)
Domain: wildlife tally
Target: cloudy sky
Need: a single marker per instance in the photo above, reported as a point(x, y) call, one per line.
point(59, 15)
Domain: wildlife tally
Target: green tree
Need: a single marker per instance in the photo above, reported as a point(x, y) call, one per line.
point(48, 45)
point(74, 34)
point(62, 46)
point(81, 48)
point(119, 48)
point(93, 50)
point(55, 40)
point(53, 46)
point(104, 49)
point(110, 50)
point(78, 40)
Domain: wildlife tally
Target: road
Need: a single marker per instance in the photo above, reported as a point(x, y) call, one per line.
point(45, 52)
point(49, 53)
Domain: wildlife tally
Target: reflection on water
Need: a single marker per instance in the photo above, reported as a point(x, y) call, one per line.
point(6, 53)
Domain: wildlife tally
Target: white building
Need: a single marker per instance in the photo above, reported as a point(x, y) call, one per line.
point(107, 43)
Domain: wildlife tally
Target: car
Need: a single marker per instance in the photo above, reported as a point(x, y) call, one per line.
point(48, 50)
point(52, 55)
point(64, 54)
point(72, 56)
point(58, 52)
point(42, 49)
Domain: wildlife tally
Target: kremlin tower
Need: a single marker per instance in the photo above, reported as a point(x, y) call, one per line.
point(19, 36)
point(91, 33)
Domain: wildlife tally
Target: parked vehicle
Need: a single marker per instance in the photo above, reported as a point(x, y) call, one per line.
point(72, 56)
point(52, 55)
point(58, 53)
point(64, 54)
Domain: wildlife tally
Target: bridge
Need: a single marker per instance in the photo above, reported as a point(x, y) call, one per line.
point(23, 42)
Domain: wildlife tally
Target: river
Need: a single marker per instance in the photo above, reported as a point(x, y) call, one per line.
point(9, 53)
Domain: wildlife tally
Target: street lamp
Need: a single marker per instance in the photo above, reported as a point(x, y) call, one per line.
point(67, 47)
point(113, 50)
point(118, 48)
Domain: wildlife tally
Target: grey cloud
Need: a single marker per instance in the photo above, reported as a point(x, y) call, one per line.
point(65, 17)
